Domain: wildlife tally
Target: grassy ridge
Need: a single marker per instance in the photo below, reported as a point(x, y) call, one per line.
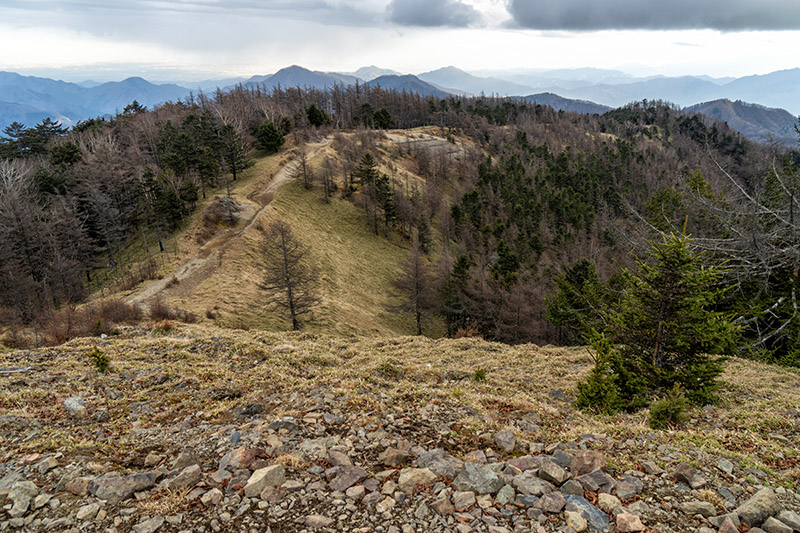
point(754, 424)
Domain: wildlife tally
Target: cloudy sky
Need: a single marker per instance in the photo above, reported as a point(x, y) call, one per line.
point(196, 39)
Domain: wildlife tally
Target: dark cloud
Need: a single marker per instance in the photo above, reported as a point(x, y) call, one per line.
point(723, 15)
point(432, 13)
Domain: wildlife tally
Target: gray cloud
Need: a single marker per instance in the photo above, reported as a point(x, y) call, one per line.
point(194, 25)
point(589, 15)
point(432, 13)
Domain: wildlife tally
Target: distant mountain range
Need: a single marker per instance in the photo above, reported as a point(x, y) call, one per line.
point(296, 76)
point(560, 103)
point(29, 99)
point(756, 122)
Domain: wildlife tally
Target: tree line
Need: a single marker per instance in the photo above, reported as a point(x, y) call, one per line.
point(533, 201)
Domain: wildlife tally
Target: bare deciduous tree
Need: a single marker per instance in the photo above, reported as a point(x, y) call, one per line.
point(288, 279)
point(416, 285)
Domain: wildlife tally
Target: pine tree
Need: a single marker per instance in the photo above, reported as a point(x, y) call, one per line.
point(269, 137)
point(455, 296)
point(317, 117)
point(666, 324)
point(234, 152)
point(579, 304)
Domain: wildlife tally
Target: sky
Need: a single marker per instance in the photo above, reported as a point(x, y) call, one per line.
point(214, 39)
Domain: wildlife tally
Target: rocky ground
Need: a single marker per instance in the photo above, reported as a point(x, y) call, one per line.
point(196, 430)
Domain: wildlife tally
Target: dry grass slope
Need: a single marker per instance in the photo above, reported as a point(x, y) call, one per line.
point(162, 378)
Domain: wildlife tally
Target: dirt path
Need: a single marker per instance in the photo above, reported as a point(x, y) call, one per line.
point(208, 258)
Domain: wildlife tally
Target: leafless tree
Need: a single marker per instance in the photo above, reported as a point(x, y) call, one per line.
point(416, 284)
point(290, 282)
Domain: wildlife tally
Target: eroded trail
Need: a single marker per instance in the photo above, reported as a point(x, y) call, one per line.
point(209, 257)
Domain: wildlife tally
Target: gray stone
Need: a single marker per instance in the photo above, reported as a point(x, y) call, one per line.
point(316, 521)
point(149, 526)
point(773, 525)
point(463, 500)
point(21, 494)
point(87, 512)
point(393, 457)
point(550, 471)
point(76, 406)
point(188, 478)
point(270, 476)
point(629, 523)
point(118, 488)
point(338, 458)
point(41, 500)
point(698, 507)
point(595, 518)
point(212, 497)
point(608, 502)
point(346, 477)
point(386, 505)
point(356, 492)
point(552, 502)
point(525, 463)
point(790, 518)
point(529, 484)
point(651, 468)
point(628, 487)
point(440, 462)
point(596, 481)
point(411, 478)
point(505, 495)
point(237, 459)
point(718, 520)
point(185, 459)
point(477, 478)
point(725, 466)
point(443, 506)
point(505, 439)
point(572, 487)
point(576, 521)
point(759, 507)
point(287, 423)
point(47, 465)
point(586, 461)
point(728, 526)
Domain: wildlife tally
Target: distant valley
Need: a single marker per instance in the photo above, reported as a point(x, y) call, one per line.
point(763, 108)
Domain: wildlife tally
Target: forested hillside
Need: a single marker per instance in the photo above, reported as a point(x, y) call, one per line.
point(491, 200)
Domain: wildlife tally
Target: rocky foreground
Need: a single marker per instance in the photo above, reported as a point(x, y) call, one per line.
point(192, 431)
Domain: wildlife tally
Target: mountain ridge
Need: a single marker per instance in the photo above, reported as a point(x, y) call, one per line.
point(29, 99)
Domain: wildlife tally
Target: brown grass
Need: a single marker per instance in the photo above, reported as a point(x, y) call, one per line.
point(756, 397)
point(160, 311)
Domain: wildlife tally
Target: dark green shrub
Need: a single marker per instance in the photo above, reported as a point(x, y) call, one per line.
point(98, 359)
point(599, 391)
point(671, 410)
point(389, 371)
point(666, 326)
point(479, 375)
point(269, 137)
